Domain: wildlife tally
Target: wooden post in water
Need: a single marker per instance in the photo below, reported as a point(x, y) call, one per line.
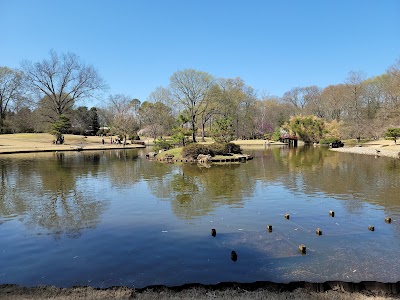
point(234, 256)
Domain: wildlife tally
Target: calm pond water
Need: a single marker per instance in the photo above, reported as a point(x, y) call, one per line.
point(114, 218)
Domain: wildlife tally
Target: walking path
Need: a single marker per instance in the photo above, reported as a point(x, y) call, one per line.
point(43, 142)
point(380, 148)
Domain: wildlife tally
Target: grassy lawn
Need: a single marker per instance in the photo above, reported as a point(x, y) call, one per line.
point(34, 142)
point(176, 152)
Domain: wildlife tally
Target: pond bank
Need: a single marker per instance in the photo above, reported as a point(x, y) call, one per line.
point(43, 142)
point(219, 158)
point(257, 290)
point(369, 151)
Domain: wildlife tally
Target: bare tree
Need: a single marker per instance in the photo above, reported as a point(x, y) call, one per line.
point(355, 97)
point(156, 117)
point(10, 91)
point(190, 88)
point(63, 80)
point(313, 101)
point(238, 99)
point(391, 91)
point(121, 115)
point(296, 97)
point(270, 114)
point(333, 99)
point(162, 95)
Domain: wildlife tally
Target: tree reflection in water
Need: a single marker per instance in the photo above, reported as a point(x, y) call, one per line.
point(141, 209)
point(44, 193)
point(54, 191)
point(196, 191)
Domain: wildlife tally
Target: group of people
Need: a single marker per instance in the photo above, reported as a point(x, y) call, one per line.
point(113, 141)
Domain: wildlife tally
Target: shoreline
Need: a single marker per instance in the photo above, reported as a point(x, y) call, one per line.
point(69, 148)
point(43, 142)
point(224, 290)
point(369, 150)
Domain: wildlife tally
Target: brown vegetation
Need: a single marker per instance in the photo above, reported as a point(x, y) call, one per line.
point(274, 292)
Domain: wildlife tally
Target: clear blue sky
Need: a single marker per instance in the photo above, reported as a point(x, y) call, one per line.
point(273, 45)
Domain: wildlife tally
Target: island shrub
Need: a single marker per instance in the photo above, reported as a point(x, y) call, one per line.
point(193, 150)
point(162, 144)
point(224, 148)
point(233, 148)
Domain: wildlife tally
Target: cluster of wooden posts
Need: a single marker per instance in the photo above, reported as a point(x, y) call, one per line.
point(302, 247)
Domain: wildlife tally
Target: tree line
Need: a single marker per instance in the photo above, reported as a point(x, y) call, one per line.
point(46, 96)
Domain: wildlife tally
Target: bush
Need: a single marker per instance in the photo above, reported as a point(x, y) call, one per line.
point(162, 144)
point(217, 149)
point(276, 135)
point(193, 150)
point(233, 148)
point(134, 137)
point(224, 148)
point(328, 141)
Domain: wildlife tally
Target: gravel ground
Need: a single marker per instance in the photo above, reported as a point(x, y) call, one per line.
point(369, 150)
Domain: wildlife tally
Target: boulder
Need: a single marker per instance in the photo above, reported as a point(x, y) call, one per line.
point(151, 154)
point(204, 158)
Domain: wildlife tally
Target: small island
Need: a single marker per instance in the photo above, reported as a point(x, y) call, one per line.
point(200, 153)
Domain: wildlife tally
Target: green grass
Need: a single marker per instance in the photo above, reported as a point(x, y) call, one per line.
point(176, 152)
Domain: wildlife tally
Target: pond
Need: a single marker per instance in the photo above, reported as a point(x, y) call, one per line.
point(114, 218)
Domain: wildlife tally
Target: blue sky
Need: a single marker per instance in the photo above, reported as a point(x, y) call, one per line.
point(273, 45)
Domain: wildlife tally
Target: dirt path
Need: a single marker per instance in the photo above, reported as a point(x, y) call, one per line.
point(376, 148)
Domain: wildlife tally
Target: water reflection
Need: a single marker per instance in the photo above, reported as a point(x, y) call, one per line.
point(140, 221)
point(196, 191)
point(58, 191)
point(47, 193)
point(340, 175)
